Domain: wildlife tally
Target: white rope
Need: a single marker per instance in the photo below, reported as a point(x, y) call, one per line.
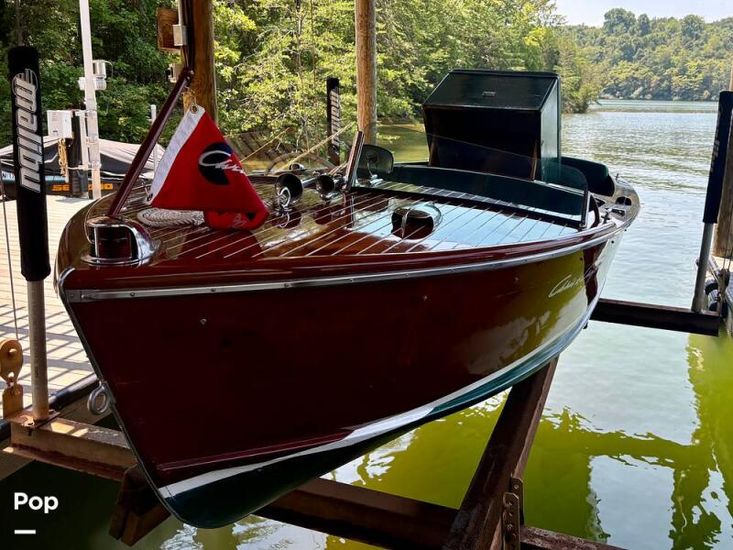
point(161, 217)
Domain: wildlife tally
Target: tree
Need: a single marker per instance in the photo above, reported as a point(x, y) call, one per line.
point(618, 21)
point(643, 24)
point(661, 58)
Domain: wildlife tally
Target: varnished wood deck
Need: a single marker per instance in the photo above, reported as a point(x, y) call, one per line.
point(67, 361)
point(359, 224)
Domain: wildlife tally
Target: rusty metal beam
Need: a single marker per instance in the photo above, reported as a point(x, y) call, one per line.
point(342, 510)
point(363, 514)
point(478, 522)
point(540, 539)
point(389, 521)
point(73, 445)
point(339, 509)
point(656, 316)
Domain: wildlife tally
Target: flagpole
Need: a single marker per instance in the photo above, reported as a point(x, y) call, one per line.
point(143, 152)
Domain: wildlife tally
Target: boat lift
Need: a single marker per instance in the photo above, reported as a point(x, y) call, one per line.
point(491, 514)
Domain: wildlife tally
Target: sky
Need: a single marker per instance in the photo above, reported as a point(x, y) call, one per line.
point(590, 12)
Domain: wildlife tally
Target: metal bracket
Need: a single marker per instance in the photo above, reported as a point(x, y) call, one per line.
point(11, 363)
point(512, 516)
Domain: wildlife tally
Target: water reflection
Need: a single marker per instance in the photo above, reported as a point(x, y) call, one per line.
point(637, 490)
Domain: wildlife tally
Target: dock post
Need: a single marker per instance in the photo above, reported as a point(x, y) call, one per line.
point(90, 101)
point(724, 232)
point(203, 84)
point(37, 337)
point(713, 195)
point(333, 119)
point(366, 68)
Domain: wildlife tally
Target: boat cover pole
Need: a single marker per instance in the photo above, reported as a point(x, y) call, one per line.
point(90, 101)
point(333, 119)
point(714, 193)
point(27, 128)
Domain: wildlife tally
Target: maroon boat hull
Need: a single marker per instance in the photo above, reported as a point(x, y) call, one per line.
point(244, 363)
point(217, 380)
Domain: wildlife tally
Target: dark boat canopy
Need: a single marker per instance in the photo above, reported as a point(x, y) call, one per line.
point(116, 157)
point(505, 123)
point(514, 116)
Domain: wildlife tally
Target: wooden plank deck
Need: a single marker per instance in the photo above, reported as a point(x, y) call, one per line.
point(67, 361)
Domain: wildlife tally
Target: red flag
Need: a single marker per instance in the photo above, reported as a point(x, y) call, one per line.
point(199, 171)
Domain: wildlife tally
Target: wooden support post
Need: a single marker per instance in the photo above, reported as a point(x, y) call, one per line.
point(137, 511)
point(478, 523)
point(165, 19)
point(724, 231)
point(366, 68)
point(203, 86)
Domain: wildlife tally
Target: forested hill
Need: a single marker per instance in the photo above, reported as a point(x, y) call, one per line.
point(648, 58)
point(273, 56)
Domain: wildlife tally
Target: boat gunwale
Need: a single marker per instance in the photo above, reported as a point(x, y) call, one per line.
point(83, 282)
point(74, 294)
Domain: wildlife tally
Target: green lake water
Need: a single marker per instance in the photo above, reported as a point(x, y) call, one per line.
point(635, 447)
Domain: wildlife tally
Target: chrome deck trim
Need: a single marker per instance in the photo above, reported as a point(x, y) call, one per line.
point(91, 295)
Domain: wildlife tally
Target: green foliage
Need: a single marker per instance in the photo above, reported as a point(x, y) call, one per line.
point(123, 33)
point(273, 56)
point(660, 58)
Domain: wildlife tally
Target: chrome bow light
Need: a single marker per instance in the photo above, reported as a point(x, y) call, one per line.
point(117, 242)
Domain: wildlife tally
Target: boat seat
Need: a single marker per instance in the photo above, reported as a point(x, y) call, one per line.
point(596, 174)
point(533, 194)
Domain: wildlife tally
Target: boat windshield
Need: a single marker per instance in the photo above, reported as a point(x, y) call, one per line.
point(407, 158)
point(417, 162)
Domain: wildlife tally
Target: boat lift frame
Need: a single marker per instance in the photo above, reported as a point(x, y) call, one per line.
point(490, 516)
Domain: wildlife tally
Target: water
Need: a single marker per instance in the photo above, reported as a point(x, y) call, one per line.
point(635, 447)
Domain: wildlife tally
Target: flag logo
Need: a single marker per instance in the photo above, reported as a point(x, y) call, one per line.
point(216, 160)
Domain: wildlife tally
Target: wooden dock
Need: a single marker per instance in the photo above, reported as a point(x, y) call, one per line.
point(67, 361)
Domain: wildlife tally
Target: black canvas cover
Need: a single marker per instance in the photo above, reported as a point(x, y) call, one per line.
point(116, 156)
point(503, 122)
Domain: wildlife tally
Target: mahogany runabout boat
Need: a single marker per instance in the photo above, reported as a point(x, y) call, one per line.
point(244, 362)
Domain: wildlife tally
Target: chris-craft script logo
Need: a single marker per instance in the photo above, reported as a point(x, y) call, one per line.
point(29, 144)
point(216, 160)
point(566, 283)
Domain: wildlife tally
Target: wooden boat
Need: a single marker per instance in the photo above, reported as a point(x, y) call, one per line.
point(242, 363)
